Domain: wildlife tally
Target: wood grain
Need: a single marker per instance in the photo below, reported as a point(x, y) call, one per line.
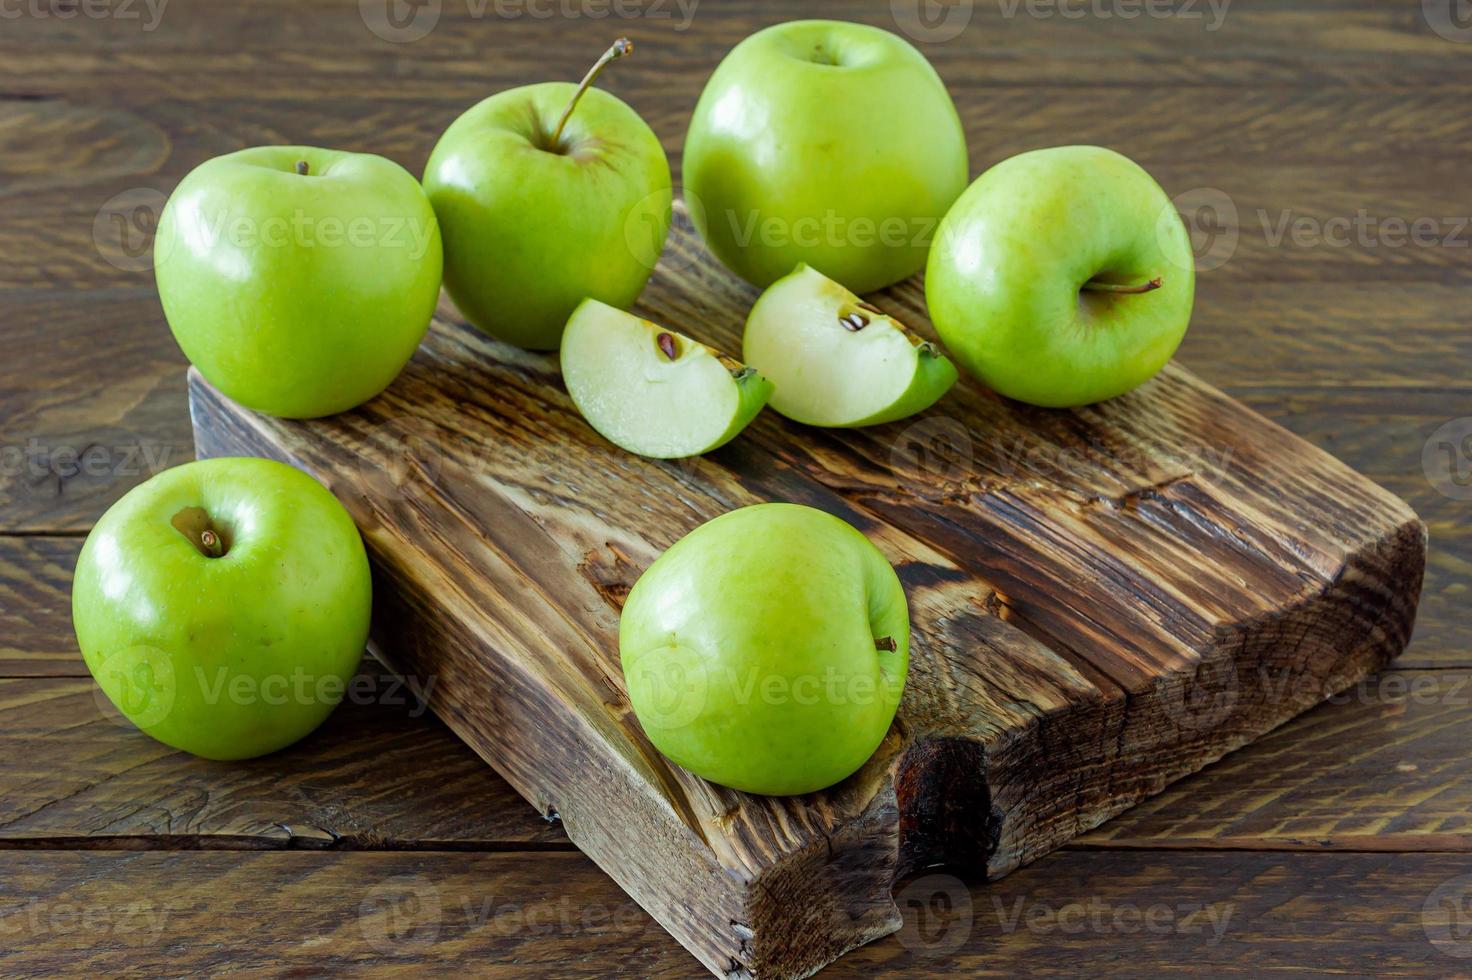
point(36, 637)
point(1380, 768)
point(536, 915)
point(1364, 44)
point(378, 774)
point(1320, 108)
point(1403, 786)
point(1074, 577)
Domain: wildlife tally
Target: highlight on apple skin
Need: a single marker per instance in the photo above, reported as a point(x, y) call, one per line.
point(1062, 277)
point(837, 360)
point(223, 605)
point(653, 391)
point(298, 280)
point(767, 649)
point(535, 189)
point(824, 142)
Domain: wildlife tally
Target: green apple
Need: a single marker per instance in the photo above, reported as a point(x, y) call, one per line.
point(1062, 277)
point(537, 203)
point(653, 391)
point(837, 360)
point(223, 605)
point(823, 142)
point(298, 280)
point(766, 650)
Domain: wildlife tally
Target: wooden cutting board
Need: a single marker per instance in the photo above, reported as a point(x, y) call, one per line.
point(1103, 600)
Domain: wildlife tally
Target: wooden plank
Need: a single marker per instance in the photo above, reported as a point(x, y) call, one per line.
point(377, 774)
point(91, 404)
point(68, 451)
point(533, 915)
point(1065, 613)
point(165, 134)
point(1381, 767)
point(1291, 789)
point(1348, 207)
point(36, 637)
point(273, 45)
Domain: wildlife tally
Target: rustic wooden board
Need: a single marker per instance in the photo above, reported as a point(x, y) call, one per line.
point(1103, 600)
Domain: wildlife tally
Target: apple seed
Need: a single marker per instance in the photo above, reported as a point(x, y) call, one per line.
point(666, 344)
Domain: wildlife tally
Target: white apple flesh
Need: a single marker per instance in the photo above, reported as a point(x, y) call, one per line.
point(836, 360)
point(653, 391)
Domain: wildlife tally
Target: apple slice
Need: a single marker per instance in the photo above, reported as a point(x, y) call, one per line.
point(653, 391)
point(836, 360)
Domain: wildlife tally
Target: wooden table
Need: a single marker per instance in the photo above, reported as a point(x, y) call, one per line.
point(1334, 301)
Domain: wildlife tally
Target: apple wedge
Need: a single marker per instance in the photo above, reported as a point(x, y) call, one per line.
point(837, 361)
point(653, 391)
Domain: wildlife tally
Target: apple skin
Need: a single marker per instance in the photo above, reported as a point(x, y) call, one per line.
point(298, 296)
point(1003, 281)
point(749, 649)
point(528, 232)
point(234, 656)
point(872, 142)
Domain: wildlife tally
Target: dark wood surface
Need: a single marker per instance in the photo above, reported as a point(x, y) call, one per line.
point(1101, 600)
point(1338, 841)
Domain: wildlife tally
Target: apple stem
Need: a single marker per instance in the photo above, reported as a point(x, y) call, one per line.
point(1119, 287)
point(616, 50)
point(210, 543)
point(886, 643)
point(302, 167)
